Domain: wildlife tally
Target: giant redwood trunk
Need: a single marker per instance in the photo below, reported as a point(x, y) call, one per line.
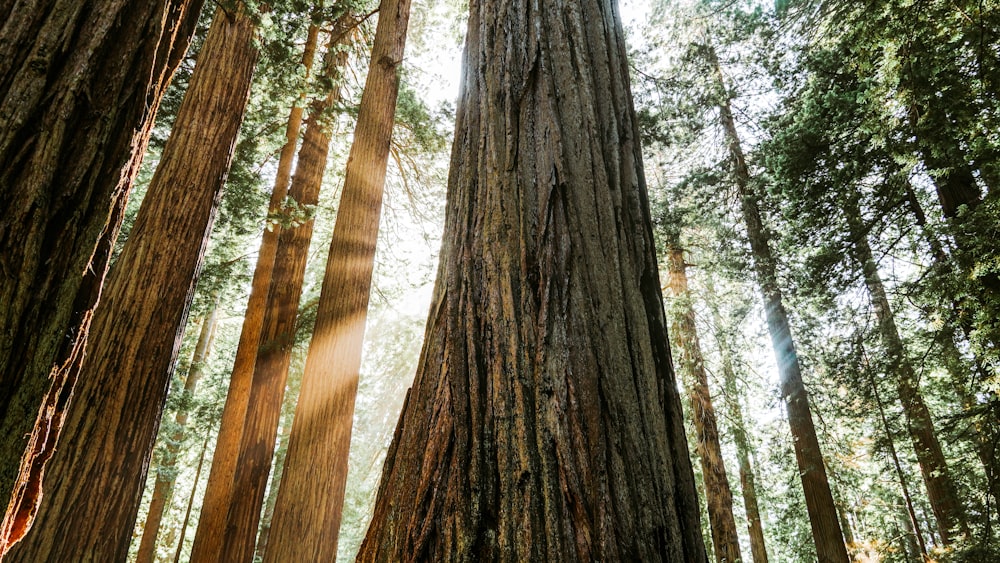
point(166, 474)
point(823, 520)
point(718, 495)
point(544, 422)
point(95, 479)
point(941, 490)
point(80, 83)
point(277, 338)
point(218, 490)
point(307, 515)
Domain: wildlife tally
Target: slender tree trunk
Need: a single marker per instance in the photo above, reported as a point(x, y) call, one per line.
point(747, 479)
point(914, 525)
point(190, 504)
point(267, 516)
point(166, 475)
point(719, 496)
point(96, 477)
point(277, 338)
point(308, 512)
point(941, 490)
point(822, 511)
point(218, 490)
point(544, 422)
point(80, 84)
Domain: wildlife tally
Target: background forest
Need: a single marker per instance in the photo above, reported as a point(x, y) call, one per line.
point(823, 181)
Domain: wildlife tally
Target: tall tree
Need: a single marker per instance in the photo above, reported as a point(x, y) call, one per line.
point(718, 495)
point(823, 519)
point(95, 480)
point(166, 473)
point(308, 512)
point(80, 83)
point(544, 422)
point(218, 490)
point(277, 336)
point(941, 490)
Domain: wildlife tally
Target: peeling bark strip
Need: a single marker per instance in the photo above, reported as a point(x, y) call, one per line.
point(81, 82)
point(718, 495)
point(544, 423)
point(95, 479)
point(307, 514)
point(219, 489)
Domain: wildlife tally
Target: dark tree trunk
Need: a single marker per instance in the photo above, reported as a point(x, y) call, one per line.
point(218, 490)
point(80, 83)
point(277, 338)
point(718, 495)
point(544, 423)
point(95, 479)
point(941, 490)
point(166, 474)
point(308, 512)
point(822, 511)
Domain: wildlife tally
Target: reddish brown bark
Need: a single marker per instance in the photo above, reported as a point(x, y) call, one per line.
point(544, 423)
point(95, 479)
point(166, 474)
point(718, 495)
point(307, 514)
point(823, 520)
point(81, 83)
point(218, 490)
point(278, 334)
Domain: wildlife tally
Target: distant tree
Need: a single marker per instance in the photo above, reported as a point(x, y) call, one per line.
point(544, 422)
point(80, 84)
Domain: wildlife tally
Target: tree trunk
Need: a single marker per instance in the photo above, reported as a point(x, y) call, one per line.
point(218, 490)
point(277, 338)
point(308, 512)
point(544, 422)
point(719, 496)
point(81, 83)
point(98, 473)
point(267, 516)
point(822, 511)
point(166, 475)
point(747, 479)
point(941, 490)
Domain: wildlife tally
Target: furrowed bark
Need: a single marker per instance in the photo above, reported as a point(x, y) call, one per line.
point(827, 534)
point(278, 334)
point(308, 511)
point(218, 490)
point(95, 479)
point(81, 84)
point(719, 497)
point(544, 423)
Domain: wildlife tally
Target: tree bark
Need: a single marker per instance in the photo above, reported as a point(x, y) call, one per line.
point(218, 490)
point(98, 473)
point(544, 423)
point(308, 511)
point(719, 497)
point(941, 490)
point(822, 511)
point(80, 83)
point(166, 475)
point(277, 337)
